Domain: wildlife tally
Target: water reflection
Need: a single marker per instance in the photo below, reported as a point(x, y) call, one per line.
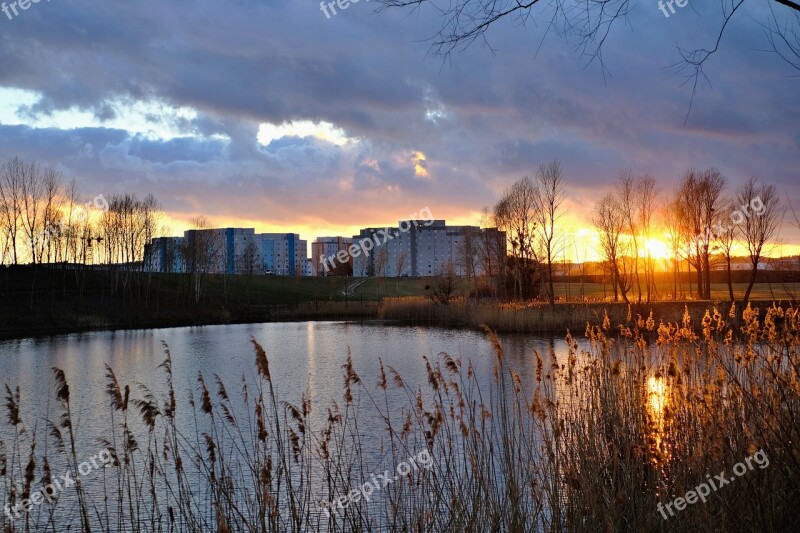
point(657, 406)
point(304, 357)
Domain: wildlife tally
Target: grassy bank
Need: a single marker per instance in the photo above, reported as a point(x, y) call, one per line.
point(50, 300)
point(606, 439)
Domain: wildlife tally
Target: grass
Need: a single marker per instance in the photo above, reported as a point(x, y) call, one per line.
point(719, 291)
point(41, 301)
point(591, 441)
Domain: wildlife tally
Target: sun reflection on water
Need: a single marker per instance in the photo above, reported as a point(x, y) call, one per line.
point(657, 407)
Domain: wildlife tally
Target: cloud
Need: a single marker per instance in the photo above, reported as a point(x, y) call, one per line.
point(268, 111)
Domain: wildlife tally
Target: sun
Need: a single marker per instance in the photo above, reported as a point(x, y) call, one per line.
point(657, 249)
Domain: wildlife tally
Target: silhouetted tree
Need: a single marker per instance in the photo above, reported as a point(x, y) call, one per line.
point(699, 200)
point(761, 207)
point(549, 197)
point(609, 220)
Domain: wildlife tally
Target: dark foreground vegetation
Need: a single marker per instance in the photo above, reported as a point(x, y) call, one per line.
point(50, 299)
point(594, 441)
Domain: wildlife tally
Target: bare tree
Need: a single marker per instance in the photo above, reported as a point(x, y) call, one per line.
point(382, 262)
point(32, 215)
point(626, 192)
point(126, 227)
point(491, 252)
point(699, 200)
point(763, 214)
point(5, 239)
point(626, 272)
point(725, 239)
point(645, 193)
point(442, 289)
point(11, 174)
point(399, 262)
point(249, 260)
point(609, 220)
point(52, 225)
point(467, 255)
point(202, 252)
point(672, 223)
point(69, 235)
point(361, 264)
point(516, 214)
point(550, 188)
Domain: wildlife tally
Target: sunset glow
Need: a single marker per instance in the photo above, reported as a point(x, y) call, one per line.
point(657, 249)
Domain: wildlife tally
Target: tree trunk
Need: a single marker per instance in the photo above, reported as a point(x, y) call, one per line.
point(675, 280)
point(730, 283)
point(706, 275)
point(699, 279)
point(751, 283)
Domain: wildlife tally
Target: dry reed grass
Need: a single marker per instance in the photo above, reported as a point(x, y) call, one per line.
point(594, 443)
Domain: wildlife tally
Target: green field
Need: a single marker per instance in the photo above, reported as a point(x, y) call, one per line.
point(719, 291)
point(288, 290)
point(294, 290)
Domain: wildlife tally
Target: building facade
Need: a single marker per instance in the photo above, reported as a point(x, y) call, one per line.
point(323, 252)
point(229, 251)
point(427, 248)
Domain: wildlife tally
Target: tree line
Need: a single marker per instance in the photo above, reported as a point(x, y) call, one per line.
point(702, 222)
point(45, 219)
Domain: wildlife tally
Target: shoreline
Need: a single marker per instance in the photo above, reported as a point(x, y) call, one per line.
point(533, 318)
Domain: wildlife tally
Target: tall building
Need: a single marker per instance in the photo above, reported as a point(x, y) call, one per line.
point(426, 248)
point(164, 254)
point(284, 254)
point(229, 251)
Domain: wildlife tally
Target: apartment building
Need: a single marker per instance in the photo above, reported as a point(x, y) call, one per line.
point(327, 247)
point(229, 251)
point(284, 254)
point(428, 248)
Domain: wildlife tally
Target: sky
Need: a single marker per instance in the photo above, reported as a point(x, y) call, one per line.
point(268, 114)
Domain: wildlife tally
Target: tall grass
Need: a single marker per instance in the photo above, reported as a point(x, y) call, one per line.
point(530, 317)
point(594, 442)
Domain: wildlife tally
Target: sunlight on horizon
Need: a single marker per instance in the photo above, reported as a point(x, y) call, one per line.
point(582, 244)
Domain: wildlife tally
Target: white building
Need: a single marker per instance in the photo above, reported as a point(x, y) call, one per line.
point(284, 254)
point(425, 248)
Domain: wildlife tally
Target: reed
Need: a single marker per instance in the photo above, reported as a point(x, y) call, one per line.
point(530, 317)
point(595, 441)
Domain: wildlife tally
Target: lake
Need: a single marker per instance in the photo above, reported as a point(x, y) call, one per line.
point(304, 357)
